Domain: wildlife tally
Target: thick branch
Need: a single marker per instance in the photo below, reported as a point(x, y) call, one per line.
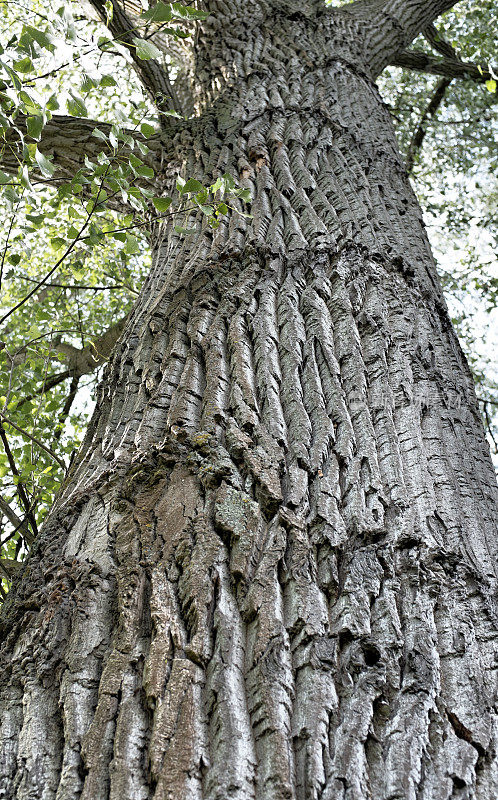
point(67, 140)
point(449, 68)
point(396, 24)
point(152, 74)
point(85, 361)
point(421, 129)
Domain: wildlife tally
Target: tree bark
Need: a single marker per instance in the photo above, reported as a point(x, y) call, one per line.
point(272, 571)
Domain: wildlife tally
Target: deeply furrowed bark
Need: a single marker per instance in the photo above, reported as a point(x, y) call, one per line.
point(272, 573)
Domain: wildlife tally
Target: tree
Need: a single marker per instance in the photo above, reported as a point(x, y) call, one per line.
point(271, 571)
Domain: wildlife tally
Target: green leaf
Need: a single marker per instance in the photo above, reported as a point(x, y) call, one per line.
point(40, 37)
point(104, 43)
point(99, 134)
point(229, 182)
point(147, 130)
point(132, 246)
point(108, 80)
point(31, 105)
point(216, 185)
point(187, 12)
point(35, 126)
point(146, 50)
point(88, 83)
point(244, 194)
point(146, 172)
point(491, 86)
point(161, 12)
point(76, 106)
point(109, 10)
point(192, 186)
point(171, 113)
point(184, 231)
point(36, 219)
point(46, 167)
point(24, 65)
point(162, 204)
point(178, 33)
point(12, 75)
point(52, 103)
point(24, 178)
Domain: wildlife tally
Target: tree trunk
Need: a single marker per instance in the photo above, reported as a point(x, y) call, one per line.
point(272, 572)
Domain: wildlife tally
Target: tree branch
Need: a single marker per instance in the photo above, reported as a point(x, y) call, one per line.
point(447, 67)
point(395, 24)
point(84, 361)
point(46, 386)
point(67, 407)
point(33, 439)
point(421, 129)
point(68, 140)
point(439, 43)
point(10, 566)
point(20, 488)
point(20, 524)
point(152, 74)
point(489, 421)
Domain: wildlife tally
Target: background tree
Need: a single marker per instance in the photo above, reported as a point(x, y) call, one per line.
point(244, 588)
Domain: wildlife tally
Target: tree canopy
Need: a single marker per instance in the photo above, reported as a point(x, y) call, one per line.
point(83, 125)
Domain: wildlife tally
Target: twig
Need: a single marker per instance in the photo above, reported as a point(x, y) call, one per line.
point(33, 439)
point(489, 423)
point(20, 488)
point(67, 406)
point(421, 129)
point(49, 384)
point(81, 286)
point(4, 253)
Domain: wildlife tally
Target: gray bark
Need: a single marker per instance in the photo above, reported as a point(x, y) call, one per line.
point(272, 571)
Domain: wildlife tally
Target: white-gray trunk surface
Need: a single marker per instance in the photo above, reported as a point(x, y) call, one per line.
point(272, 572)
